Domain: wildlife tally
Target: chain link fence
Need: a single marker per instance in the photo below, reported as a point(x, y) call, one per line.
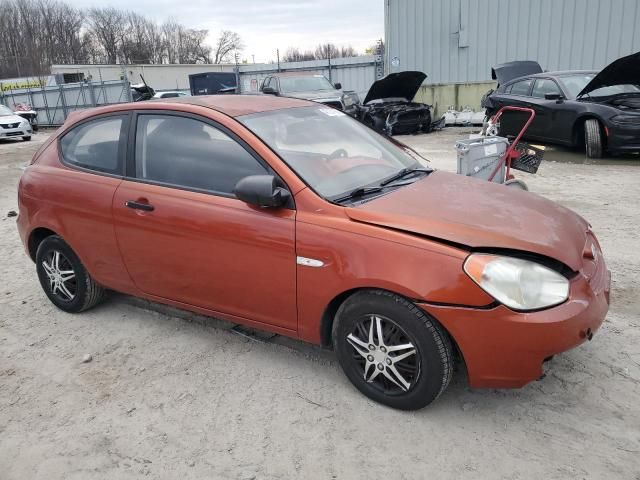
point(53, 104)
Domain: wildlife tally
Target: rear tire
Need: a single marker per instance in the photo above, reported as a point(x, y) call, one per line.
point(593, 138)
point(409, 366)
point(63, 277)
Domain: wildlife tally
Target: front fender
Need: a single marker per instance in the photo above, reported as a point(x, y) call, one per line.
point(367, 256)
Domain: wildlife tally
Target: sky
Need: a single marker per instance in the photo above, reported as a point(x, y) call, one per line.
point(265, 25)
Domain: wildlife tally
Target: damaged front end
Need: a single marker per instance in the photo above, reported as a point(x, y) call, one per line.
point(389, 106)
point(397, 118)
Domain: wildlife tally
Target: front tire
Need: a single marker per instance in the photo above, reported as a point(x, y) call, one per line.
point(27, 138)
point(593, 138)
point(63, 277)
point(391, 350)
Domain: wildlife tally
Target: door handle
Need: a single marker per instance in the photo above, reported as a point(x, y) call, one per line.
point(139, 206)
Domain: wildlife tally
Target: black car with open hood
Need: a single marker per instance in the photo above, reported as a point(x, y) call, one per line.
point(389, 106)
point(597, 111)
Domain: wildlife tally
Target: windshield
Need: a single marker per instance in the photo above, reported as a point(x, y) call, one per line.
point(4, 111)
point(573, 85)
point(305, 83)
point(333, 153)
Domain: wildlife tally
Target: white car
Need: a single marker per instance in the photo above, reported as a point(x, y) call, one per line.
point(12, 125)
point(172, 94)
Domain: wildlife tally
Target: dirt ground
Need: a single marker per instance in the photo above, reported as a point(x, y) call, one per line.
point(171, 395)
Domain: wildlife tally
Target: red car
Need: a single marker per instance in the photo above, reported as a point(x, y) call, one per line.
point(289, 216)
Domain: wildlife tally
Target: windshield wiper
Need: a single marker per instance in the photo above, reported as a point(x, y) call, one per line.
point(403, 173)
point(358, 192)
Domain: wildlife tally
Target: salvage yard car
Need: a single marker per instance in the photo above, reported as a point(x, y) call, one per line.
point(308, 86)
point(292, 217)
point(13, 125)
point(389, 106)
point(599, 111)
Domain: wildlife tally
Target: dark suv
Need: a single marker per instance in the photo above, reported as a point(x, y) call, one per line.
point(314, 87)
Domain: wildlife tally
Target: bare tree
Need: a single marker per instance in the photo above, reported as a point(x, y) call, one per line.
point(329, 50)
point(37, 33)
point(185, 45)
point(293, 54)
point(227, 43)
point(34, 34)
point(108, 26)
point(348, 51)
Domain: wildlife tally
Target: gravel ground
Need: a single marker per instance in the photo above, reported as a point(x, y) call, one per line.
point(172, 395)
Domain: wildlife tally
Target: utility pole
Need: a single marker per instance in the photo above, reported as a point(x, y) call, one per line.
point(278, 56)
point(253, 58)
point(237, 58)
point(329, 60)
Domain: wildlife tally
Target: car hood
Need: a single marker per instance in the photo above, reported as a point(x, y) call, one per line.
point(400, 84)
point(625, 70)
point(316, 95)
point(477, 214)
point(10, 119)
point(508, 71)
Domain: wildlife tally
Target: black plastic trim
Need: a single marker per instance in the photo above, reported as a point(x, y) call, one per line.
point(489, 306)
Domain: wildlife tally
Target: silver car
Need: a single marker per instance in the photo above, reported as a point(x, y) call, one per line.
point(12, 125)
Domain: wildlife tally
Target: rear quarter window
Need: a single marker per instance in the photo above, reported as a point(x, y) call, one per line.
point(95, 145)
point(523, 87)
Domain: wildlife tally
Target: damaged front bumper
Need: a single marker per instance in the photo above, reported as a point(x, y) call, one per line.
point(506, 349)
point(398, 119)
point(15, 130)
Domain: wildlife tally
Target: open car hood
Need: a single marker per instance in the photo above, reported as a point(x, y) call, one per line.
point(400, 84)
point(625, 70)
point(476, 214)
point(510, 70)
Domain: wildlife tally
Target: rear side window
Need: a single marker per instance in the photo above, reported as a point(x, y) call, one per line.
point(95, 145)
point(188, 153)
point(521, 88)
point(544, 86)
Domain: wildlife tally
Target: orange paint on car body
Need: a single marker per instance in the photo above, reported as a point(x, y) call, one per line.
point(219, 256)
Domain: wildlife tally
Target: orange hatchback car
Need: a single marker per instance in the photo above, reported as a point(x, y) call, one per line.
point(289, 216)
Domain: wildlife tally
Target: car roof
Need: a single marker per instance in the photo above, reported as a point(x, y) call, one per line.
point(559, 73)
point(296, 74)
point(230, 105)
point(237, 105)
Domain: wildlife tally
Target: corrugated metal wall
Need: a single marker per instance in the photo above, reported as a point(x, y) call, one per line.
point(457, 41)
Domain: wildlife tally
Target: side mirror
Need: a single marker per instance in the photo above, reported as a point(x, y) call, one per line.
point(338, 86)
point(270, 91)
point(553, 96)
point(261, 191)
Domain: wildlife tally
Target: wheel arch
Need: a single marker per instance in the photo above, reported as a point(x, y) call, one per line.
point(36, 237)
point(577, 133)
point(330, 312)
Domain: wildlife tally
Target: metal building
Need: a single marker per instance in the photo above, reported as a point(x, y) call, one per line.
point(457, 41)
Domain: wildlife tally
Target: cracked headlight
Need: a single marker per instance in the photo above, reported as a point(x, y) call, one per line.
point(519, 284)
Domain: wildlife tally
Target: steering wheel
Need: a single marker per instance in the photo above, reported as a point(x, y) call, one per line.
point(339, 153)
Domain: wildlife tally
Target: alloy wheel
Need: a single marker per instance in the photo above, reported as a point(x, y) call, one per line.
point(387, 357)
point(62, 277)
